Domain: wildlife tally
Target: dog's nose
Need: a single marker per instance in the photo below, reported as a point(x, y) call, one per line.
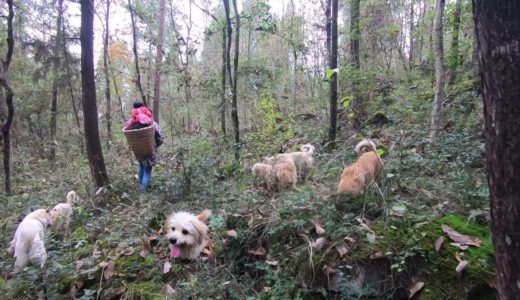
point(173, 240)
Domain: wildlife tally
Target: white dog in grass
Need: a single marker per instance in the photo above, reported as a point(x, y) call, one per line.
point(61, 214)
point(187, 233)
point(28, 244)
point(303, 159)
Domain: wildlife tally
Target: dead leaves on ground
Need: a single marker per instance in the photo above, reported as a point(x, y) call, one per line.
point(460, 241)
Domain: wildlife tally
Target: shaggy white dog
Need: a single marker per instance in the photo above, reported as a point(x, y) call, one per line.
point(61, 214)
point(187, 233)
point(28, 244)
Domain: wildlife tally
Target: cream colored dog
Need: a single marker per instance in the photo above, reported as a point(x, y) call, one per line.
point(61, 214)
point(356, 177)
point(279, 172)
point(28, 244)
point(303, 159)
point(187, 233)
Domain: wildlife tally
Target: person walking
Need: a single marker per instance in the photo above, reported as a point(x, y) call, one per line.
point(142, 117)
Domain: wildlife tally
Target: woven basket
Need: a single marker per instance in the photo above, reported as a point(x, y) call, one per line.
point(141, 141)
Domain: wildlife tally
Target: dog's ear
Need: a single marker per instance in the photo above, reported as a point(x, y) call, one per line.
point(204, 215)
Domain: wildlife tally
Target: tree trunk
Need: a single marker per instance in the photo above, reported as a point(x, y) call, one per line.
point(357, 105)
point(6, 127)
point(136, 57)
point(107, 76)
point(158, 63)
point(90, 119)
point(439, 70)
point(498, 36)
point(334, 79)
point(411, 55)
point(455, 55)
point(223, 83)
point(56, 71)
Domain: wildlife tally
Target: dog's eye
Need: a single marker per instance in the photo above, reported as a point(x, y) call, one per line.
point(185, 232)
point(173, 228)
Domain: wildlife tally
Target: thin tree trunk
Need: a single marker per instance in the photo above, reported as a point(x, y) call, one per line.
point(357, 105)
point(498, 36)
point(439, 70)
point(90, 119)
point(107, 77)
point(6, 127)
point(455, 55)
point(158, 63)
point(223, 83)
point(136, 57)
point(116, 89)
point(56, 71)
point(334, 79)
point(234, 104)
point(411, 56)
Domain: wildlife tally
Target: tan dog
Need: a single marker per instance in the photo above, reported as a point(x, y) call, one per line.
point(28, 244)
point(279, 172)
point(61, 214)
point(187, 233)
point(356, 177)
point(303, 159)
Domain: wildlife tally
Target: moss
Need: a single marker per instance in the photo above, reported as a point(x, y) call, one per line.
point(143, 290)
point(79, 235)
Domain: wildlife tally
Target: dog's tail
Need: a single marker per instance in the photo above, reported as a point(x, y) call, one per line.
point(365, 145)
point(204, 215)
point(307, 148)
point(72, 198)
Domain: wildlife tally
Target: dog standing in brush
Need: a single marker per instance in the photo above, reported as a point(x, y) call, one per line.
point(356, 177)
point(303, 159)
point(28, 244)
point(278, 172)
point(61, 214)
point(187, 233)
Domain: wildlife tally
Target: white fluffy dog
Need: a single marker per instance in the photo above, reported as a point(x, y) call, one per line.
point(303, 159)
point(61, 214)
point(28, 244)
point(187, 233)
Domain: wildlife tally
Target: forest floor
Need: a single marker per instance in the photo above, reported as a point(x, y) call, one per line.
point(303, 244)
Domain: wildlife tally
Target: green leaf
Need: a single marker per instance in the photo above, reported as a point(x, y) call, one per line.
point(345, 102)
point(380, 152)
point(330, 72)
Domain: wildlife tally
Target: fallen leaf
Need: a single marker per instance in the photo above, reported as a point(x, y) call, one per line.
point(438, 243)
point(350, 239)
point(460, 238)
point(303, 232)
point(317, 226)
point(109, 271)
point(319, 243)
point(267, 289)
point(232, 233)
point(342, 249)
point(377, 255)
point(144, 253)
point(371, 237)
point(415, 288)
point(75, 289)
point(103, 264)
point(460, 246)
point(100, 190)
point(272, 262)
point(329, 270)
point(167, 267)
point(461, 266)
point(259, 251)
point(207, 252)
point(168, 290)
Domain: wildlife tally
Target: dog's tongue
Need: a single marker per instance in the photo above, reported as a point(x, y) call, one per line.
point(175, 251)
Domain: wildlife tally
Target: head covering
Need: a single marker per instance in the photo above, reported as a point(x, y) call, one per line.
point(140, 115)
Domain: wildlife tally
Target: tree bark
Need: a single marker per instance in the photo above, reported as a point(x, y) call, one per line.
point(136, 57)
point(158, 63)
point(223, 84)
point(439, 70)
point(56, 75)
point(6, 127)
point(334, 78)
point(411, 56)
point(107, 76)
point(455, 55)
point(357, 105)
point(90, 119)
point(498, 37)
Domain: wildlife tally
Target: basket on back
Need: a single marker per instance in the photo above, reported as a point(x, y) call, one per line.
point(141, 141)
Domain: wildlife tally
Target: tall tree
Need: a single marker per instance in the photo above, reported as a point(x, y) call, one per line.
point(498, 37)
point(90, 112)
point(107, 74)
point(455, 55)
point(136, 57)
point(439, 70)
point(233, 75)
point(4, 82)
point(158, 63)
point(55, 79)
point(333, 64)
point(411, 41)
point(357, 105)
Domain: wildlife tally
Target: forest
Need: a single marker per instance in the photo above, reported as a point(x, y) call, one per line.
point(246, 92)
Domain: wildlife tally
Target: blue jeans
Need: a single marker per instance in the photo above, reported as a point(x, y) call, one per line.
point(145, 173)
